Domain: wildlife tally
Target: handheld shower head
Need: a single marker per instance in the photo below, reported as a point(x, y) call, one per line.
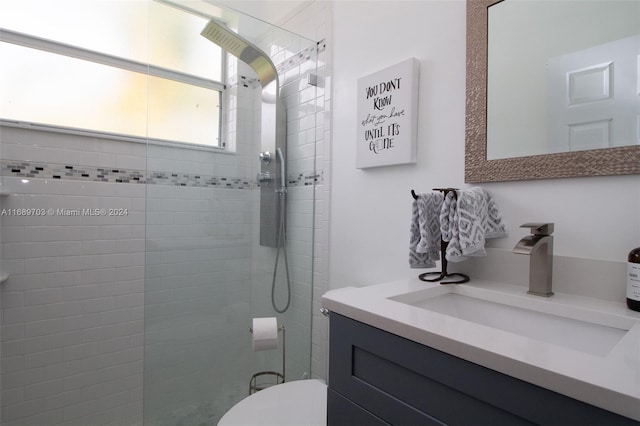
point(243, 49)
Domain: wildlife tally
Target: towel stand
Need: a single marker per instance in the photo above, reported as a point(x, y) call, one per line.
point(443, 276)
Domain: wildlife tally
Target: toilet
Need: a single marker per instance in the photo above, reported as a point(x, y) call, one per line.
point(297, 403)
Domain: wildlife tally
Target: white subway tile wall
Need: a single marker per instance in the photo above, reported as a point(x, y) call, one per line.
point(128, 260)
point(72, 309)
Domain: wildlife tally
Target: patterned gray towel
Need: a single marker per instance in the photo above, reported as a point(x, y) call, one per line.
point(448, 216)
point(424, 241)
point(469, 222)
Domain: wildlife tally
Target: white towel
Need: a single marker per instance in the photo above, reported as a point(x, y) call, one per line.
point(469, 222)
point(424, 242)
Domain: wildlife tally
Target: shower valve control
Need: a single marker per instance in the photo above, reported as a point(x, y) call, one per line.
point(264, 177)
point(266, 157)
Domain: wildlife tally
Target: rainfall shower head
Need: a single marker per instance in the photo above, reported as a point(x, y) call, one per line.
point(244, 50)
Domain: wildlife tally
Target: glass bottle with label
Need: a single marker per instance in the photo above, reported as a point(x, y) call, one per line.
point(633, 280)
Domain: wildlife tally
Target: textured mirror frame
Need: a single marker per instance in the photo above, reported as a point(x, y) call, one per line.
point(597, 162)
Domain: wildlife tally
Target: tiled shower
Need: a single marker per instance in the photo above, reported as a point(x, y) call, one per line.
point(133, 279)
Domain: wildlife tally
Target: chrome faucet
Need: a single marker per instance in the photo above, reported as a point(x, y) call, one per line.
point(539, 246)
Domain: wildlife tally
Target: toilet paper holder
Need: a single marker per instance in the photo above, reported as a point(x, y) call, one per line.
point(264, 379)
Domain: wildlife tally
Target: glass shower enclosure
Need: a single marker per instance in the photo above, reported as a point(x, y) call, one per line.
point(206, 273)
point(131, 198)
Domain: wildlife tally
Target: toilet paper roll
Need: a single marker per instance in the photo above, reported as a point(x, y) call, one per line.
point(265, 333)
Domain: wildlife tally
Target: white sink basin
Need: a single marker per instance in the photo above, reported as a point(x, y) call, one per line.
point(568, 326)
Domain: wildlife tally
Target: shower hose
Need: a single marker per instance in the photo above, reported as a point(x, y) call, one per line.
point(281, 245)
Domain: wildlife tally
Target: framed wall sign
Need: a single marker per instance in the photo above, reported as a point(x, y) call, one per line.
point(387, 116)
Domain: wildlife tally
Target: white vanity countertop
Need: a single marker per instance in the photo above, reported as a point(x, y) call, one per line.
point(610, 381)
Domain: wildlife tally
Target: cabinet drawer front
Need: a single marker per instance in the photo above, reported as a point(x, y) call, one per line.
point(390, 376)
point(343, 412)
point(404, 382)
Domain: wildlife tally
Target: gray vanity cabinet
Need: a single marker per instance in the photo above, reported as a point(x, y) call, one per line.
point(378, 378)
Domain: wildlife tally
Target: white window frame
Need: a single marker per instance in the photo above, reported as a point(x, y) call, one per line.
point(46, 45)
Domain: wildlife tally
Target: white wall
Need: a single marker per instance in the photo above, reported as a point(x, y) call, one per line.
point(370, 208)
point(596, 218)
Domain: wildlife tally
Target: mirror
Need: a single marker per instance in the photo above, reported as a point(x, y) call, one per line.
point(479, 167)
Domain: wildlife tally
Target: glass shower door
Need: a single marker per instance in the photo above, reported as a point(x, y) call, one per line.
point(206, 275)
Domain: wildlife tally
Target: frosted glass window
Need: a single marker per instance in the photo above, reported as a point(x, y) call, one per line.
point(182, 112)
point(46, 88)
point(88, 90)
point(86, 95)
point(114, 27)
point(140, 30)
point(175, 43)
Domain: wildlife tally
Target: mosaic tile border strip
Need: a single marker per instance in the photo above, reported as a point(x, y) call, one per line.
point(200, 181)
point(27, 169)
point(305, 179)
point(295, 60)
